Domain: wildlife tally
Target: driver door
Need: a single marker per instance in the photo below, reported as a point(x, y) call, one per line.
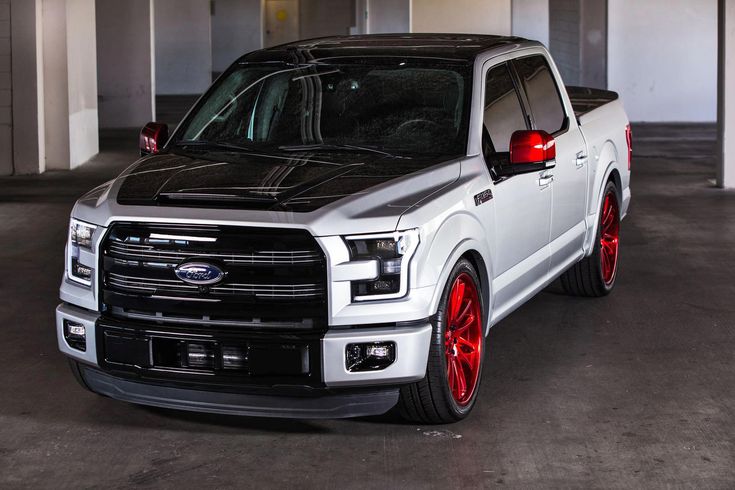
point(522, 202)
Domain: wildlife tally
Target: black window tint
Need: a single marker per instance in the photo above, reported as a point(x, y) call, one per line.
point(503, 113)
point(542, 93)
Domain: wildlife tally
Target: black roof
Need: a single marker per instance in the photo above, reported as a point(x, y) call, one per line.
point(451, 47)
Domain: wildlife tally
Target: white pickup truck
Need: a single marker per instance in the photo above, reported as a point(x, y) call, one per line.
point(336, 225)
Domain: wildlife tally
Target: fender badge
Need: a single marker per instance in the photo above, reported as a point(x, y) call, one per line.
point(483, 197)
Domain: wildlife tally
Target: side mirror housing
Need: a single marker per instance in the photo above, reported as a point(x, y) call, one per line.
point(532, 147)
point(152, 138)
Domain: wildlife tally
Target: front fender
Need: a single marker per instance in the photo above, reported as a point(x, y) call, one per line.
point(461, 234)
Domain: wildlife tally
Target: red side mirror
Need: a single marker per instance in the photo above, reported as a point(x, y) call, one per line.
point(152, 138)
point(531, 147)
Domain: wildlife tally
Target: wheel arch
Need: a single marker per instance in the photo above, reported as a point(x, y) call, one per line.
point(461, 236)
point(611, 174)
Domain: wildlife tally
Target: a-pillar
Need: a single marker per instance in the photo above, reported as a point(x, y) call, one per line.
point(726, 94)
point(125, 63)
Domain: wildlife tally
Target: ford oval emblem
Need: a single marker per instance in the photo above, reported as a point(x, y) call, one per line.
point(199, 273)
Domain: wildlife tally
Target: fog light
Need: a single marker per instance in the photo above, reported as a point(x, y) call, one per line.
point(233, 357)
point(372, 356)
point(200, 356)
point(75, 335)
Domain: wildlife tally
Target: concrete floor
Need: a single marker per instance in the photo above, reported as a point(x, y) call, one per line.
point(633, 390)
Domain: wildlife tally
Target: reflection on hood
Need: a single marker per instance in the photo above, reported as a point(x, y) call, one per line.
point(299, 182)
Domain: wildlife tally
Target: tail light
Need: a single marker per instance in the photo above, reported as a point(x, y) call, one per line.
point(629, 139)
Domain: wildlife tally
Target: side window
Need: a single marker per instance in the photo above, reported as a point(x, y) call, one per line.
point(542, 93)
point(503, 113)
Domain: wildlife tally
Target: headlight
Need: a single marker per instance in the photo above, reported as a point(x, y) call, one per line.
point(393, 251)
point(80, 238)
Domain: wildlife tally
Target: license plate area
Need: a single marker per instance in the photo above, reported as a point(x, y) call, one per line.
point(227, 357)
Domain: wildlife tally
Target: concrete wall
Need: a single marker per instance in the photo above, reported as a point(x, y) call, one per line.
point(183, 46)
point(578, 40)
point(236, 30)
point(6, 94)
point(662, 58)
point(472, 16)
point(530, 19)
point(388, 16)
point(564, 30)
point(325, 17)
point(125, 65)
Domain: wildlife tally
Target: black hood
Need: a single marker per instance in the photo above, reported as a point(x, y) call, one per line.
point(246, 180)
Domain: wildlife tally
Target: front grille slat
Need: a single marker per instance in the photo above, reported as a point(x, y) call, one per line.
point(261, 290)
point(275, 277)
point(143, 253)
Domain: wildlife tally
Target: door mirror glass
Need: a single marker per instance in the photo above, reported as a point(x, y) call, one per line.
point(532, 147)
point(152, 138)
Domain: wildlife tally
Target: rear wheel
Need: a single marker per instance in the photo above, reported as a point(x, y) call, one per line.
point(449, 390)
point(595, 275)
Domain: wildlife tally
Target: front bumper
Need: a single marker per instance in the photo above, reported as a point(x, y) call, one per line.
point(372, 401)
point(412, 348)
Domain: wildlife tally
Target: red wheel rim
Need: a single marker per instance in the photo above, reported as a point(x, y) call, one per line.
point(609, 238)
point(463, 338)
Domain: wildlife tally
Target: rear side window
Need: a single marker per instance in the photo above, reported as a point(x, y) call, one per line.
point(542, 93)
point(503, 113)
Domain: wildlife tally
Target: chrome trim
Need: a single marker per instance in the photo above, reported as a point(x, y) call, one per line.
point(267, 257)
point(151, 286)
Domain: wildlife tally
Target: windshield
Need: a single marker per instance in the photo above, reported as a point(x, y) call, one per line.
point(401, 107)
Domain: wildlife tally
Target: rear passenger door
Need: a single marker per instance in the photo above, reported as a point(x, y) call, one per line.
point(546, 108)
point(522, 206)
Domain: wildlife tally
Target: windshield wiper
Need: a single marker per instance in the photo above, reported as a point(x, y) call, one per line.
point(215, 145)
point(332, 147)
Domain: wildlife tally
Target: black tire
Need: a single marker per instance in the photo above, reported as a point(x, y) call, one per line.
point(586, 277)
point(430, 401)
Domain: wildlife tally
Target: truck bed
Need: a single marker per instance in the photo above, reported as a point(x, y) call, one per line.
point(585, 99)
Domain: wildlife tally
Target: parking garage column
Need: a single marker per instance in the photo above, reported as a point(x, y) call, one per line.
point(125, 63)
point(70, 83)
point(726, 99)
point(475, 16)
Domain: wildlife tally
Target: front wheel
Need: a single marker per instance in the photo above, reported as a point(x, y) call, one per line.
point(595, 275)
point(449, 390)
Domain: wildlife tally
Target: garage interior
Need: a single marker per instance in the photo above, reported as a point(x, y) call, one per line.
point(634, 390)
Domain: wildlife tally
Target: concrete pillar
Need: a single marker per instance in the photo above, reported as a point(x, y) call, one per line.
point(726, 98)
point(319, 18)
point(6, 94)
point(183, 43)
point(471, 16)
point(236, 30)
point(70, 83)
point(125, 63)
point(388, 16)
point(26, 30)
point(530, 19)
point(578, 40)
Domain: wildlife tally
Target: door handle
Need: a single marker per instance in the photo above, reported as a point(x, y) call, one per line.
point(545, 179)
point(581, 159)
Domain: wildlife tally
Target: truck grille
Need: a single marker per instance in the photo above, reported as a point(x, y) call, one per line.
point(275, 278)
